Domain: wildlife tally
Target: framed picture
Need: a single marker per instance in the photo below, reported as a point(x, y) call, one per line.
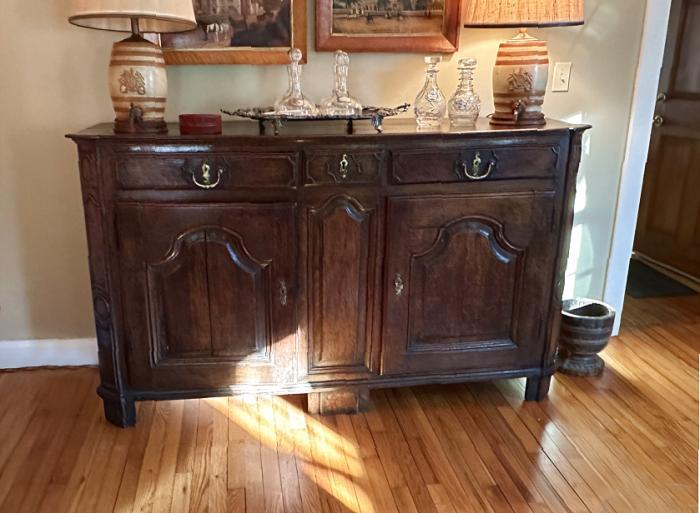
point(388, 25)
point(239, 32)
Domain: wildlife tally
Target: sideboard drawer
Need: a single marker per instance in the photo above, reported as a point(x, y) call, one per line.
point(474, 164)
point(339, 167)
point(214, 171)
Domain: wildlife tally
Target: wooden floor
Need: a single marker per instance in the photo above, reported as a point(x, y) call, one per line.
point(626, 442)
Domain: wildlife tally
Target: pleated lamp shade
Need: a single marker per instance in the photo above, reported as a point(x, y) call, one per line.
point(153, 15)
point(523, 13)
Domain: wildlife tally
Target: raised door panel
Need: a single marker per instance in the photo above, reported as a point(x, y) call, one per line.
point(341, 270)
point(212, 284)
point(445, 315)
point(239, 288)
point(177, 291)
point(468, 283)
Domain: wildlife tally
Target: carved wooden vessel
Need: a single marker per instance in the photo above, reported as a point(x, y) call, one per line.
point(324, 263)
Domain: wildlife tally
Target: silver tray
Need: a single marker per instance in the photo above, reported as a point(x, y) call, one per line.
point(264, 115)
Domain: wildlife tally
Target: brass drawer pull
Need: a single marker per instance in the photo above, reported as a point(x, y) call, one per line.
point(206, 182)
point(476, 173)
point(343, 169)
point(398, 285)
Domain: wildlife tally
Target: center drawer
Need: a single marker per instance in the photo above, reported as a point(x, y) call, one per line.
point(227, 171)
point(356, 166)
point(454, 164)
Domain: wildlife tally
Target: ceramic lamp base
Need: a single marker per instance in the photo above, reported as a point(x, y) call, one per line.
point(138, 85)
point(520, 81)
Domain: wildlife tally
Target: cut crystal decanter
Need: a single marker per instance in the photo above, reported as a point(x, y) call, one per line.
point(294, 103)
point(465, 104)
point(340, 103)
point(430, 104)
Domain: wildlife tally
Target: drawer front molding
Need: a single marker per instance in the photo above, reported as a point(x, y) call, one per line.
point(324, 167)
point(454, 164)
point(210, 171)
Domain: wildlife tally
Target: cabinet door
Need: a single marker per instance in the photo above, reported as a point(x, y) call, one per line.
point(468, 281)
point(208, 294)
point(341, 252)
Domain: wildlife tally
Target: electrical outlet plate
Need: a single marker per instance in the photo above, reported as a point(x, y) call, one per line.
point(561, 78)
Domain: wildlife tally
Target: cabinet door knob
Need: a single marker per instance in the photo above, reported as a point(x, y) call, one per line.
point(658, 121)
point(206, 182)
point(398, 285)
point(283, 293)
point(475, 173)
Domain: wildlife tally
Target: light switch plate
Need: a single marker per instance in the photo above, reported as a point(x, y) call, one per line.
point(561, 78)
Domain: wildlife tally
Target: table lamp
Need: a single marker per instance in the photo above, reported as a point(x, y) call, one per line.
point(522, 64)
point(137, 78)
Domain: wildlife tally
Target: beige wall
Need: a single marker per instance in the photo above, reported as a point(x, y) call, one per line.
point(54, 81)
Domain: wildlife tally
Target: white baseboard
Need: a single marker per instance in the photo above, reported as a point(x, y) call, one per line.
point(15, 354)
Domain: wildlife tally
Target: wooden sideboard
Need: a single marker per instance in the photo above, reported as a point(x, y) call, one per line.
point(324, 263)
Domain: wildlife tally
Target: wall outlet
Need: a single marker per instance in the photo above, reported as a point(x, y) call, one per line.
point(561, 78)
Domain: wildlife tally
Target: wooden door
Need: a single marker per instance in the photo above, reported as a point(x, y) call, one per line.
point(668, 229)
point(341, 233)
point(468, 282)
point(208, 293)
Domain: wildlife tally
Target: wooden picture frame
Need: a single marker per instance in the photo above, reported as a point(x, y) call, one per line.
point(243, 54)
point(443, 40)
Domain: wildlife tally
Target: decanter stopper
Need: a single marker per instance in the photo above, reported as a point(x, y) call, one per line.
point(465, 104)
point(430, 104)
point(340, 103)
point(294, 103)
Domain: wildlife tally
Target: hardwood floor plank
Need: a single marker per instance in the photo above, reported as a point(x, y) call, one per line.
point(593, 489)
point(461, 494)
point(463, 456)
point(165, 487)
point(25, 388)
point(188, 439)
point(289, 478)
point(274, 503)
point(218, 457)
point(61, 413)
point(130, 476)
point(356, 468)
point(182, 490)
point(341, 477)
point(148, 481)
point(461, 403)
point(252, 456)
point(116, 462)
point(199, 490)
point(326, 451)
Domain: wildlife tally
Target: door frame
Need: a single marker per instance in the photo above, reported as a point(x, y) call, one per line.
point(651, 55)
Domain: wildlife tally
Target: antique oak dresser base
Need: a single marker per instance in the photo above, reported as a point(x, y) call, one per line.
point(325, 263)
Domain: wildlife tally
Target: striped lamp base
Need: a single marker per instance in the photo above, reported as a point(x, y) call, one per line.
point(520, 82)
point(139, 85)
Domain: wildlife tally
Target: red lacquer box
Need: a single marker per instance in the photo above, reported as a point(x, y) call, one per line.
point(200, 124)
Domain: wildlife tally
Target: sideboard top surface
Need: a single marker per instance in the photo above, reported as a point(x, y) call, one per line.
point(324, 130)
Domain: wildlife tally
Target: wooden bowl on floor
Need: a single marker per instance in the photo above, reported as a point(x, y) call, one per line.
point(586, 327)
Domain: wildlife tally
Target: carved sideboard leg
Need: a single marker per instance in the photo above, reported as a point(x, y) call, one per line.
point(341, 400)
point(536, 389)
point(119, 410)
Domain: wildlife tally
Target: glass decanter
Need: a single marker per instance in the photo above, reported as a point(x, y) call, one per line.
point(430, 104)
point(465, 104)
point(294, 103)
point(340, 103)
